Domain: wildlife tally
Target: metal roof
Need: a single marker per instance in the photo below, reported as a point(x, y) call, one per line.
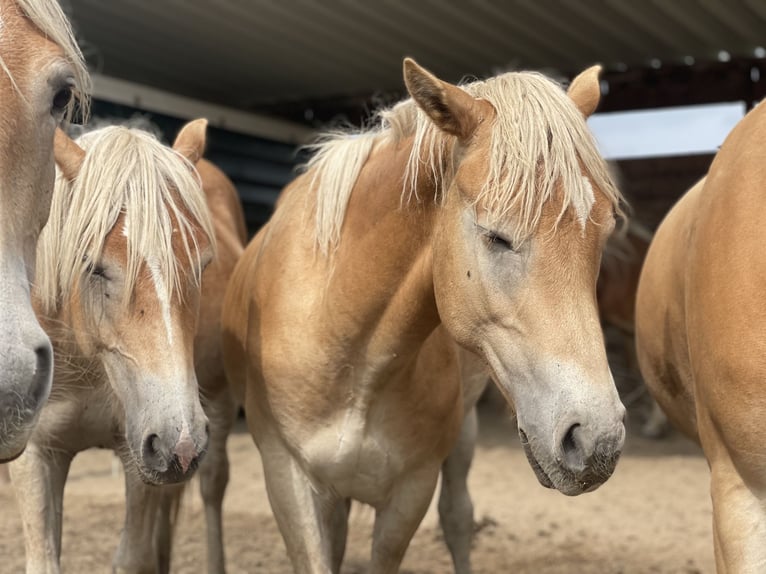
point(249, 53)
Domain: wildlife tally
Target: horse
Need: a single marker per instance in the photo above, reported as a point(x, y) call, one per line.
point(145, 545)
point(41, 72)
point(472, 216)
point(616, 294)
point(117, 290)
point(618, 279)
point(699, 335)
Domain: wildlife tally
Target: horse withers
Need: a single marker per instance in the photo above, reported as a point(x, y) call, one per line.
point(473, 214)
point(41, 69)
point(119, 267)
point(699, 331)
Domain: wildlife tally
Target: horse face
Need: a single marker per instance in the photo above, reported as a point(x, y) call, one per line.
point(146, 348)
point(31, 110)
point(529, 309)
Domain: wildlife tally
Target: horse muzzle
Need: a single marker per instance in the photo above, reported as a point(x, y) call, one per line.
point(579, 464)
point(166, 463)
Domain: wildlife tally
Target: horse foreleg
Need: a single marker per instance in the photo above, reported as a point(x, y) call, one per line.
point(307, 516)
point(214, 476)
point(656, 424)
point(136, 553)
point(38, 478)
point(397, 521)
point(455, 506)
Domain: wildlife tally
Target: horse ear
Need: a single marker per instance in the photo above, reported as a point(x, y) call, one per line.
point(69, 156)
point(190, 141)
point(585, 90)
point(452, 109)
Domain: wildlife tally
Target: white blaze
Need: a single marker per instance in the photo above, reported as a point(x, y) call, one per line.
point(583, 203)
point(162, 296)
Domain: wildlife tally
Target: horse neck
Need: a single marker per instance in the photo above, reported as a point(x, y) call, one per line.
point(381, 274)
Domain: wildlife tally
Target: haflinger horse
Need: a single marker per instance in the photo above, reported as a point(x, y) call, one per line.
point(616, 295)
point(618, 279)
point(146, 541)
point(117, 289)
point(699, 329)
point(473, 215)
point(41, 70)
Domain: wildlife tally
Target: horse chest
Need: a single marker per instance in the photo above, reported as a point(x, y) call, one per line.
point(78, 420)
point(354, 459)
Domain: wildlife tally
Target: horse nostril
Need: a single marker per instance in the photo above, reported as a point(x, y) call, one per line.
point(571, 448)
point(43, 372)
point(569, 443)
point(151, 446)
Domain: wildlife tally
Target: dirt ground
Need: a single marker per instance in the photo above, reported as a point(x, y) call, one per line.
point(652, 516)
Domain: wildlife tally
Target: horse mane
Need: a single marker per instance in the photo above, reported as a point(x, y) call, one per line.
point(48, 17)
point(539, 139)
point(124, 171)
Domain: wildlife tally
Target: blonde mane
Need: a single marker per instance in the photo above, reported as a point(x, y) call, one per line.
point(539, 139)
point(47, 16)
point(124, 171)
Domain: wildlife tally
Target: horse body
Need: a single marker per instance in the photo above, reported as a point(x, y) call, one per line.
point(40, 67)
point(618, 279)
point(342, 343)
point(616, 292)
point(700, 344)
point(348, 421)
point(118, 282)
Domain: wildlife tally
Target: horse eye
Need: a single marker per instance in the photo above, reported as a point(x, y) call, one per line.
point(61, 100)
point(97, 271)
point(495, 240)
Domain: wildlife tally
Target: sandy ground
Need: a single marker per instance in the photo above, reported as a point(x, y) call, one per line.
point(652, 516)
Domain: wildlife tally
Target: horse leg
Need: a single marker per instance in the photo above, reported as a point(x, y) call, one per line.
point(397, 521)
point(455, 506)
point(214, 476)
point(739, 521)
point(339, 529)
point(38, 478)
point(305, 514)
point(656, 424)
point(136, 553)
point(167, 518)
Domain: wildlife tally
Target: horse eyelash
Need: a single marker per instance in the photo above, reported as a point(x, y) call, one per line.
point(495, 239)
point(97, 271)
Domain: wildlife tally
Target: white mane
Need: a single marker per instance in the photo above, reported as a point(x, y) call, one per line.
point(124, 171)
point(539, 140)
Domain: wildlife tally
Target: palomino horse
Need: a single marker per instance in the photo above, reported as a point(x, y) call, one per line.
point(618, 279)
point(146, 540)
point(119, 266)
point(40, 69)
point(474, 214)
point(616, 294)
point(699, 330)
